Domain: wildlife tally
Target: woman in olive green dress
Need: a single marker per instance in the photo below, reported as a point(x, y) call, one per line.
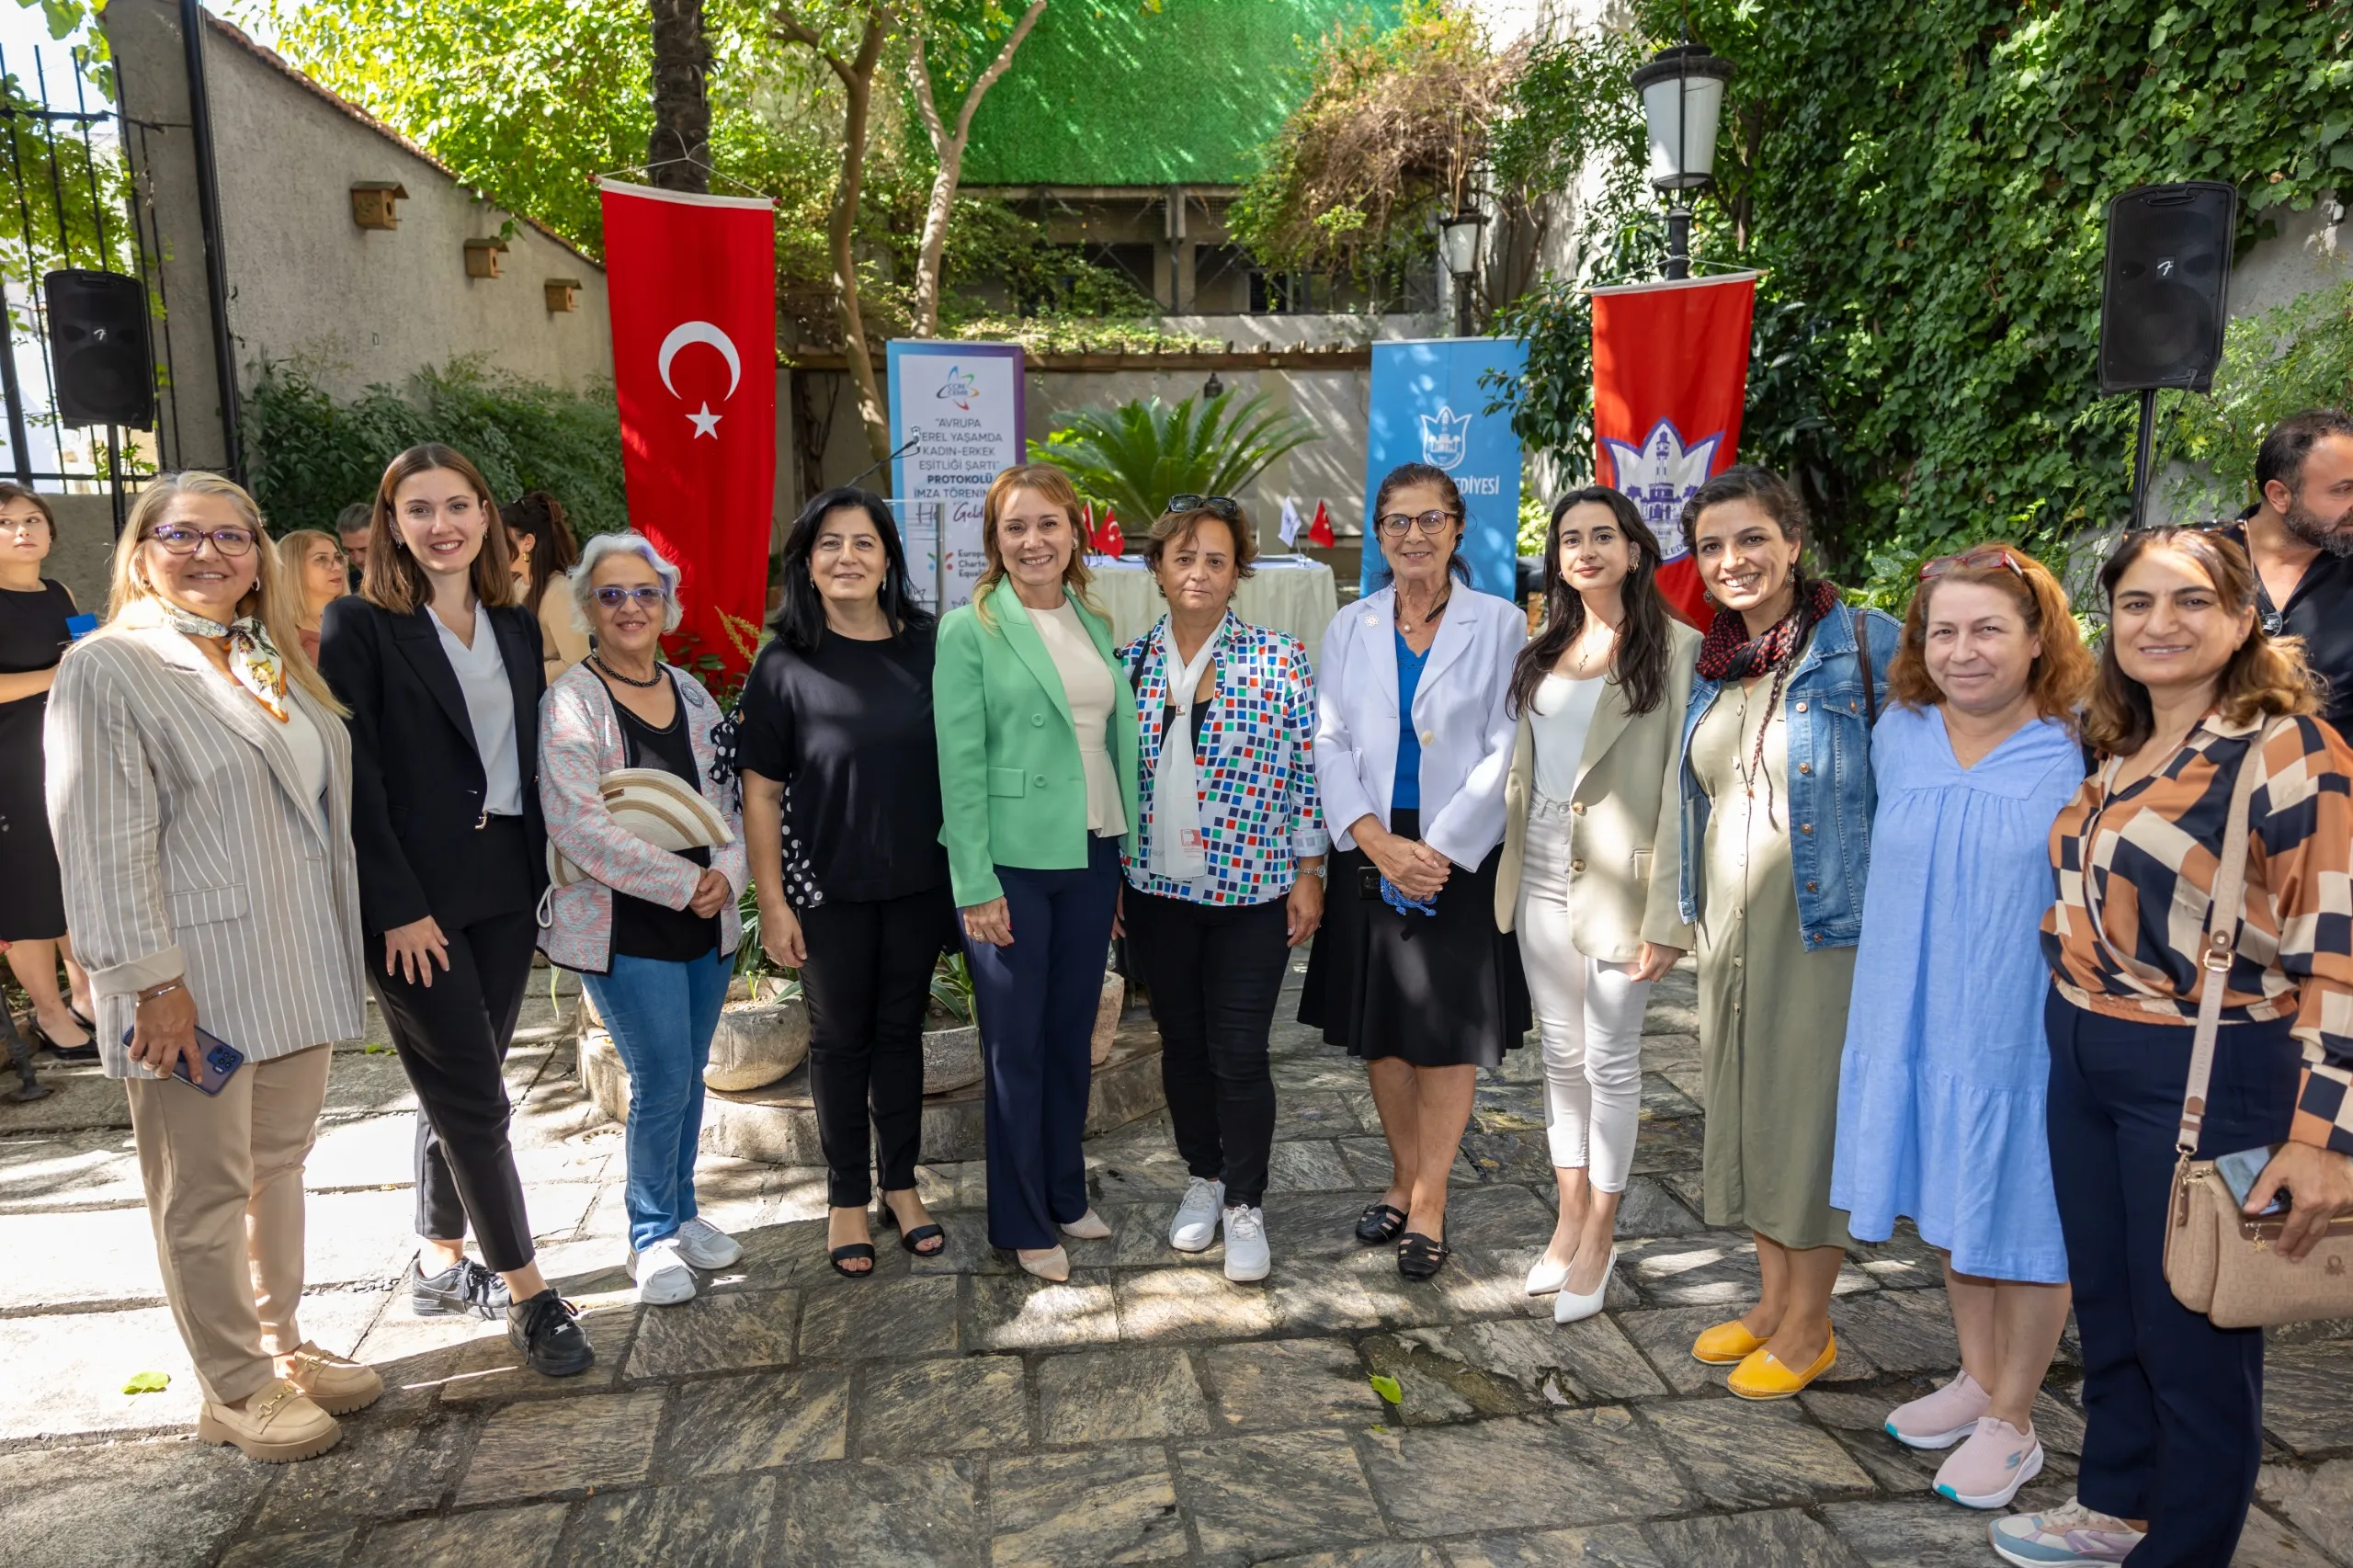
point(1778, 798)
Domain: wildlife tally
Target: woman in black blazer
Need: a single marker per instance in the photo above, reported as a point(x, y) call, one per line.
point(441, 670)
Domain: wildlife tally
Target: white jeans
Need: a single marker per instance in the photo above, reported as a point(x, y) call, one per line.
point(1589, 1012)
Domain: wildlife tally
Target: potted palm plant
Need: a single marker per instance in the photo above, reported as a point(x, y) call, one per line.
point(1137, 454)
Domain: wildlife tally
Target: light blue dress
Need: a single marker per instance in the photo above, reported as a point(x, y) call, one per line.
point(1941, 1088)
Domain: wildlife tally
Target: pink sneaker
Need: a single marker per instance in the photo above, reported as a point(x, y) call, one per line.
point(1943, 1418)
point(1987, 1471)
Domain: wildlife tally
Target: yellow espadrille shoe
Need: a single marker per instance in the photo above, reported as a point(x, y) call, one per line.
point(1724, 1345)
point(1762, 1375)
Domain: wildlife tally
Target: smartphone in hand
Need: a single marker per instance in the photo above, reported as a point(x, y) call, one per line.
point(2239, 1172)
point(220, 1060)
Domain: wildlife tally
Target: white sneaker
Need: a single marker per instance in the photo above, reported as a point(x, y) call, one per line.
point(1195, 1226)
point(705, 1245)
point(662, 1277)
point(1246, 1258)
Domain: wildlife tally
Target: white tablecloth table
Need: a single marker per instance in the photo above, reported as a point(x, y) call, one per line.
point(1297, 596)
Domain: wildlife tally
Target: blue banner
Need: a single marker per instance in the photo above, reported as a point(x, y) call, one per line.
point(1426, 407)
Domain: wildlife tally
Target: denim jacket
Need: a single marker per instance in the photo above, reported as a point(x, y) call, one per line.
point(1831, 792)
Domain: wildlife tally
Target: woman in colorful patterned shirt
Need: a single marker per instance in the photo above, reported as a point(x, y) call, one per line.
point(2191, 690)
point(1225, 873)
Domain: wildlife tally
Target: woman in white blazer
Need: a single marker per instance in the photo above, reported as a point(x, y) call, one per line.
point(1413, 741)
point(199, 787)
point(1591, 858)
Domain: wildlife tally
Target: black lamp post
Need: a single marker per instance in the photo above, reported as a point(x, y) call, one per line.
point(1683, 98)
point(1458, 242)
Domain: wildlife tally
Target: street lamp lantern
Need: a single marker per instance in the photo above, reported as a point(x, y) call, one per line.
point(1682, 89)
point(1457, 243)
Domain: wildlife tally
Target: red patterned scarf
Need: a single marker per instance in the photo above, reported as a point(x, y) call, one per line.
point(1729, 652)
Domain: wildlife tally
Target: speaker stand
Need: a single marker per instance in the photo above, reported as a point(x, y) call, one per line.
point(2146, 454)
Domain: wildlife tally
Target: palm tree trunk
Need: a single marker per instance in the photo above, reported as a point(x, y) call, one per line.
point(678, 153)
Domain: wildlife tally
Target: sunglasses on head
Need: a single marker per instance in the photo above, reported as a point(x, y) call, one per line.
point(1985, 558)
point(1216, 505)
point(646, 593)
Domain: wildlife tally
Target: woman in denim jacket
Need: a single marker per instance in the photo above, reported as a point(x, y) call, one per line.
point(1777, 812)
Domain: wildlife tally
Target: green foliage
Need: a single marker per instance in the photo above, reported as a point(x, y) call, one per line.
point(1392, 121)
point(2291, 357)
point(1115, 92)
point(1136, 456)
point(1535, 522)
point(992, 243)
point(951, 988)
point(1077, 335)
point(309, 456)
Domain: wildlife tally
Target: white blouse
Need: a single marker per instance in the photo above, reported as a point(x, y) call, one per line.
point(1089, 688)
point(1558, 721)
point(310, 749)
point(490, 708)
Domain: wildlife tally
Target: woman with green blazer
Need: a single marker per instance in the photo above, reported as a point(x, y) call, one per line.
point(1036, 736)
point(1592, 830)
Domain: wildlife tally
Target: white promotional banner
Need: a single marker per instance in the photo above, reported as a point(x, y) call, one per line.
point(961, 403)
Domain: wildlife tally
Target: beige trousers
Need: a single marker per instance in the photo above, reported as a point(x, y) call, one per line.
point(224, 1193)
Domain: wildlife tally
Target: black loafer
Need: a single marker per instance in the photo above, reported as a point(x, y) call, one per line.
point(1379, 1224)
point(1419, 1257)
point(547, 1330)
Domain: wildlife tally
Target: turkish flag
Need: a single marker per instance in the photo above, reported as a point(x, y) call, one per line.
point(1319, 532)
point(1670, 376)
point(1108, 540)
point(692, 284)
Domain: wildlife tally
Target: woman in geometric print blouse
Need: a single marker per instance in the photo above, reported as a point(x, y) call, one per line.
point(1226, 876)
point(2188, 683)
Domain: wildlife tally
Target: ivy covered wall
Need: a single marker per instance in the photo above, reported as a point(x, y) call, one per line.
point(1926, 185)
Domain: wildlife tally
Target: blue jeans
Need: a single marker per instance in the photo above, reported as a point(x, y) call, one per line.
point(661, 1017)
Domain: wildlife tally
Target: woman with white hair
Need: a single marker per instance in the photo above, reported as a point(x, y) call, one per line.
point(652, 931)
point(199, 786)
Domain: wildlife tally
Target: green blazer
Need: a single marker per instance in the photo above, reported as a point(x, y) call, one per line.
point(1011, 788)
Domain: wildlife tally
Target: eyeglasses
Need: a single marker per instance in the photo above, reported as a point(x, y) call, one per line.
point(184, 542)
point(1432, 523)
point(646, 593)
point(1983, 559)
point(1223, 507)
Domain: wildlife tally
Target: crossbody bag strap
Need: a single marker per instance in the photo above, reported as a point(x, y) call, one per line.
point(1870, 677)
point(2221, 930)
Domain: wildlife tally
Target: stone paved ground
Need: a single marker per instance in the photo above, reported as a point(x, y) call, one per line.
point(958, 1412)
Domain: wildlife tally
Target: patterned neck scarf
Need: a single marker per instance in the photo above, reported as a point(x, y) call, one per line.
point(254, 661)
point(1729, 652)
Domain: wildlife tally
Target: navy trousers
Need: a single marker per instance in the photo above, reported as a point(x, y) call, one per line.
point(2173, 1405)
point(1037, 999)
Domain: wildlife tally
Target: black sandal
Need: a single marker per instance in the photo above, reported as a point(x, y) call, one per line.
point(852, 1253)
point(1379, 1222)
point(1419, 1257)
point(913, 1240)
point(38, 1038)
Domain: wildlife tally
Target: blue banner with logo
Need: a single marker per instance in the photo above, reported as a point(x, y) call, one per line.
point(1428, 406)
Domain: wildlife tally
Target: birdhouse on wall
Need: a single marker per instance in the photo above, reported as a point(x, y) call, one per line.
point(563, 295)
point(371, 203)
point(481, 257)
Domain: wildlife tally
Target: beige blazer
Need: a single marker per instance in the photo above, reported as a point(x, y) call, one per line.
point(1625, 828)
point(187, 849)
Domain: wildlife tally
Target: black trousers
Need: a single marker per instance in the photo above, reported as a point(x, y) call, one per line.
point(1215, 972)
point(2173, 1406)
point(452, 1038)
point(866, 982)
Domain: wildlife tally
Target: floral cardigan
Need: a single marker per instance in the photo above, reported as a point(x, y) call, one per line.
point(1255, 767)
point(580, 742)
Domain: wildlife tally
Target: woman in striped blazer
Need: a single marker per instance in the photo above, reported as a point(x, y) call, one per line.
point(199, 787)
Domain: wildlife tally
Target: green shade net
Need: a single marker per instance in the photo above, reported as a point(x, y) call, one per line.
point(1103, 92)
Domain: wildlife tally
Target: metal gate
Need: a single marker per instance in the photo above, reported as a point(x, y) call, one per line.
point(66, 201)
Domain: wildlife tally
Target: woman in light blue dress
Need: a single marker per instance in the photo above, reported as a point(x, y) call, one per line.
point(1941, 1088)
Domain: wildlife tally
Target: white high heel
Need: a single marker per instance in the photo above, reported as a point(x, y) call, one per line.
point(1051, 1266)
point(1570, 1307)
point(1544, 1276)
point(1088, 1227)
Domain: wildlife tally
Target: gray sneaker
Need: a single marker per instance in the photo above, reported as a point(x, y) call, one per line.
point(1246, 1258)
point(1195, 1226)
point(705, 1245)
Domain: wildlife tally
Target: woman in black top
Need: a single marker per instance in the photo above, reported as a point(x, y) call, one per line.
point(440, 669)
point(33, 635)
point(841, 817)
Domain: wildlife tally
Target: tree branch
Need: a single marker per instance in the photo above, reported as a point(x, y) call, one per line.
point(996, 68)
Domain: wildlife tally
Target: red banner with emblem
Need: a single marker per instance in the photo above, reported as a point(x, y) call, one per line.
point(692, 285)
point(1670, 376)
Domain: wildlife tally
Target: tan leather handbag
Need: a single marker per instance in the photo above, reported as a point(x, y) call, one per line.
point(2218, 1261)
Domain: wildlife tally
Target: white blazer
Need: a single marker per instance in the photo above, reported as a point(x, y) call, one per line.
point(1459, 710)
